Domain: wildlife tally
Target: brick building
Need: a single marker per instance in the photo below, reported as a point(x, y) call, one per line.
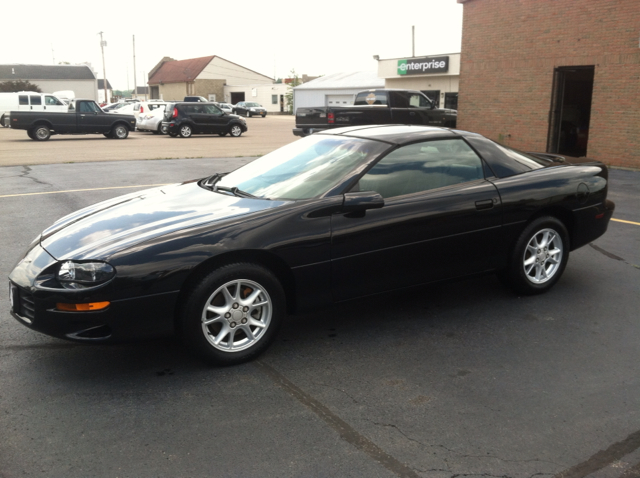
point(554, 75)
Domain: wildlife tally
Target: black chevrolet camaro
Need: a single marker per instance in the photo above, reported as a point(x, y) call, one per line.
point(335, 216)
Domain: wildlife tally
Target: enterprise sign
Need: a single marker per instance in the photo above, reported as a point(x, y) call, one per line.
point(422, 66)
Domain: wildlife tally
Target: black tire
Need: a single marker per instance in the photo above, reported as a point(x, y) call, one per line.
point(120, 131)
point(185, 131)
point(539, 257)
point(162, 129)
point(264, 115)
point(41, 133)
point(235, 130)
point(236, 322)
point(248, 114)
point(222, 134)
point(2, 122)
point(173, 135)
point(107, 135)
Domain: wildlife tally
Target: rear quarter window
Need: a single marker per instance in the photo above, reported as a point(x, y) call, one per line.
point(504, 161)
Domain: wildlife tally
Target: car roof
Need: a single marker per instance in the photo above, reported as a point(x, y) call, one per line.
point(396, 134)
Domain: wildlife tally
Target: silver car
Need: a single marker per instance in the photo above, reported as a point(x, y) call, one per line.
point(151, 120)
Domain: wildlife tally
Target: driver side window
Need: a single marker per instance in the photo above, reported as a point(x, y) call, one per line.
point(423, 166)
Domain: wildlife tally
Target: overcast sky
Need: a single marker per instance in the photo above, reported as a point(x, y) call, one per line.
point(272, 38)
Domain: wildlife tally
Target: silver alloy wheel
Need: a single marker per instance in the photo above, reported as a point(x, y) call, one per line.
point(237, 315)
point(185, 131)
point(42, 133)
point(248, 114)
point(543, 256)
point(120, 132)
point(235, 130)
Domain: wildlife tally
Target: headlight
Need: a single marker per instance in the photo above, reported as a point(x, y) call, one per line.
point(81, 275)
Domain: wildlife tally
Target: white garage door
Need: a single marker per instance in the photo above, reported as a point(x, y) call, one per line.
point(339, 100)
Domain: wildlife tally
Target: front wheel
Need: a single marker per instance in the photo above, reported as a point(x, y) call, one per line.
point(235, 131)
point(4, 122)
point(539, 256)
point(232, 314)
point(41, 133)
point(248, 114)
point(120, 132)
point(186, 131)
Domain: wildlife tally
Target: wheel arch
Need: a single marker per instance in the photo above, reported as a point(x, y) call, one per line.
point(563, 215)
point(259, 257)
point(42, 122)
point(124, 123)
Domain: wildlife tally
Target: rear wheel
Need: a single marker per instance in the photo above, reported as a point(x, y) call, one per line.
point(232, 314)
point(539, 256)
point(3, 121)
point(235, 130)
point(107, 135)
point(41, 133)
point(185, 131)
point(120, 132)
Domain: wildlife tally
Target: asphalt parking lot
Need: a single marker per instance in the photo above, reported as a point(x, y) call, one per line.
point(462, 379)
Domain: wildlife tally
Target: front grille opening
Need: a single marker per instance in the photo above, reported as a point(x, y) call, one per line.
point(100, 332)
point(26, 306)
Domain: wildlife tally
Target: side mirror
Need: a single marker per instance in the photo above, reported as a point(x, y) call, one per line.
point(361, 201)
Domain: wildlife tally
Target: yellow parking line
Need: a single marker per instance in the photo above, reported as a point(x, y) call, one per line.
point(81, 190)
point(626, 222)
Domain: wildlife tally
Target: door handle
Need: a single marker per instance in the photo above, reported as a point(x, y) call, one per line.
point(484, 204)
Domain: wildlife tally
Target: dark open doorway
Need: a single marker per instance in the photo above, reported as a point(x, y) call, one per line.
point(570, 110)
point(236, 97)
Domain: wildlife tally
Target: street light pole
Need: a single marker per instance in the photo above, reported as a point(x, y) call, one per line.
point(135, 82)
point(104, 69)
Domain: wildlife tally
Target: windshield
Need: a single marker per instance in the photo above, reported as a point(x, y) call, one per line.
point(252, 105)
point(307, 168)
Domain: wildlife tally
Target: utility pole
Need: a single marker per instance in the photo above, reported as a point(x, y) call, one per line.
point(135, 83)
point(104, 68)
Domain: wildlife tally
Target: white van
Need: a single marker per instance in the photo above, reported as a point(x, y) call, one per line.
point(28, 101)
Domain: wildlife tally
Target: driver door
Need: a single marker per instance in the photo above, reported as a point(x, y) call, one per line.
point(441, 220)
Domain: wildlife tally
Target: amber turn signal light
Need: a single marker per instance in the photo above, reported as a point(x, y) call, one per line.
point(82, 307)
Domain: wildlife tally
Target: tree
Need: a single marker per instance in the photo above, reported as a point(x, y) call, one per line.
point(18, 85)
point(295, 81)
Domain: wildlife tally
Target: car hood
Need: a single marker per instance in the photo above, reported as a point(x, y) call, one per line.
point(98, 231)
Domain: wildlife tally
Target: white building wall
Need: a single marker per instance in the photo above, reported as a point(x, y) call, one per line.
point(309, 98)
point(221, 69)
point(260, 93)
point(87, 89)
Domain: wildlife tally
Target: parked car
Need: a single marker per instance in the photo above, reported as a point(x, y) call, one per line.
point(147, 106)
point(226, 107)
point(187, 119)
point(125, 109)
point(249, 109)
point(335, 216)
point(195, 99)
point(152, 120)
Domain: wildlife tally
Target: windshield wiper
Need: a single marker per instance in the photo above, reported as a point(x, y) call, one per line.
point(211, 180)
point(235, 191)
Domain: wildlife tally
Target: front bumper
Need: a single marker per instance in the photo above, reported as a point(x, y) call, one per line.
point(33, 304)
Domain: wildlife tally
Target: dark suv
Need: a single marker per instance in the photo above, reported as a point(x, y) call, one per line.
point(186, 119)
